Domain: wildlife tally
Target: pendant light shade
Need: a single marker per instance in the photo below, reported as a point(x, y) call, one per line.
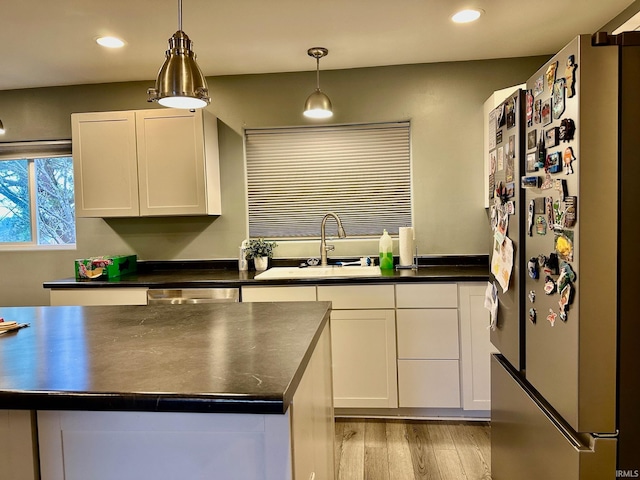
point(318, 104)
point(1, 128)
point(180, 82)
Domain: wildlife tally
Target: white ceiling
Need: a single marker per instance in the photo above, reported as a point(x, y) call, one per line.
point(51, 42)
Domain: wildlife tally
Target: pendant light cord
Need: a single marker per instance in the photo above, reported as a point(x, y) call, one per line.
point(317, 73)
point(180, 15)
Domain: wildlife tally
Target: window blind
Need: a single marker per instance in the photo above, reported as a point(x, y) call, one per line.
point(296, 175)
point(31, 149)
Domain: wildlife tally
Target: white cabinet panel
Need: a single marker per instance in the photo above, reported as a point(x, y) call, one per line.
point(428, 384)
point(427, 295)
point(104, 161)
point(98, 296)
point(357, 296)
point(279, 294)
point(427, 333)
point(433, 348)
point(18, 460)
point(312, 418)
point(172, 165)
point(476, 348)
point(128, 445)
point(364, 358)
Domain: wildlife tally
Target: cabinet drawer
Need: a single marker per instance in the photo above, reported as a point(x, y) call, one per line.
point(98, 296)
point(279, 294)
point(358, 296)
point(428, 384)
point(428, 334)
point(427, 295)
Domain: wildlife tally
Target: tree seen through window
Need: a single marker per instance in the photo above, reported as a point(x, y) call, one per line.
point(37, 202)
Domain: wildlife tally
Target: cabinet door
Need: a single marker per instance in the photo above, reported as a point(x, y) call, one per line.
point(171, 162)
point(279, 294)
point(363, 346)
point(476, 348)
point(105, 165)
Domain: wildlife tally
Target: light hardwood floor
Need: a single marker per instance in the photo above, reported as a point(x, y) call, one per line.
point(372, 449)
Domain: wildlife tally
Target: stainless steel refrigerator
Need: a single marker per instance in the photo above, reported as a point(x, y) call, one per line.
point(568, 407)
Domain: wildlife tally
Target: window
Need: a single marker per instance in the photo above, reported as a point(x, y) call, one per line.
point(296, 175)
point(36, 195)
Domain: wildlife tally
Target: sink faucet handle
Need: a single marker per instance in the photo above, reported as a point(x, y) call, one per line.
point(329, 248)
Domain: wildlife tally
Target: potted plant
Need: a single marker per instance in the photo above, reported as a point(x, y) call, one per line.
point(260, 250)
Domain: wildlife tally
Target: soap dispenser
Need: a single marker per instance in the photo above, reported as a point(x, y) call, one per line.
point(243, 264)
point(386, 251)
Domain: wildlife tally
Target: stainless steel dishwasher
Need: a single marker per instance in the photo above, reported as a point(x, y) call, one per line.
point(192, 296)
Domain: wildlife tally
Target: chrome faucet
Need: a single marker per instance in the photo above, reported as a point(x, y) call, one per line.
point(324, 248)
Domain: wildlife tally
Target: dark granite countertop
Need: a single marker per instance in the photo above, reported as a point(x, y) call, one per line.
point(229, 357)
point(207, 274)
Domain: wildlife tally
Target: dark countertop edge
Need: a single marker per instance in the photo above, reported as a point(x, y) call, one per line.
point(423, 274)
point(268, 403)
point(71, 283)
point(139, 402)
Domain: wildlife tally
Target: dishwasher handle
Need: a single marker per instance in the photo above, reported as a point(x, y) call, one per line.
point(192, 296)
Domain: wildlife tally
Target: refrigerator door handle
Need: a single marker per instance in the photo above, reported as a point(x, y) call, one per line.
point(571, 436)
point(539, 446)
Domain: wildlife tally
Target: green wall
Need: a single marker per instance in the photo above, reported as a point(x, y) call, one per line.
point(443, 101)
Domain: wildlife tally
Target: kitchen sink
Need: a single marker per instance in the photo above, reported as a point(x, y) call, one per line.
point(318, 272)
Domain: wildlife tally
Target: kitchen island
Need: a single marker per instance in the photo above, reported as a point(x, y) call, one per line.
point(242, 390)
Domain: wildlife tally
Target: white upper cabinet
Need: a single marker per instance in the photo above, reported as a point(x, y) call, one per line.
point(146, 163)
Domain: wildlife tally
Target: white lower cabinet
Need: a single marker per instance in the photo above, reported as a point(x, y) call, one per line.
point(428, 345)
point(363, 342)
point(408, 345)
point(476, 347)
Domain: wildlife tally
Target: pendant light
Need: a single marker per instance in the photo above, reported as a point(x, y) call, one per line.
point(318, 104)
point(2, 130)
point(180, 83)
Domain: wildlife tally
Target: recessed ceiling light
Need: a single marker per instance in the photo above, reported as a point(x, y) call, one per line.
point(110, 42)
point(466, 16)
